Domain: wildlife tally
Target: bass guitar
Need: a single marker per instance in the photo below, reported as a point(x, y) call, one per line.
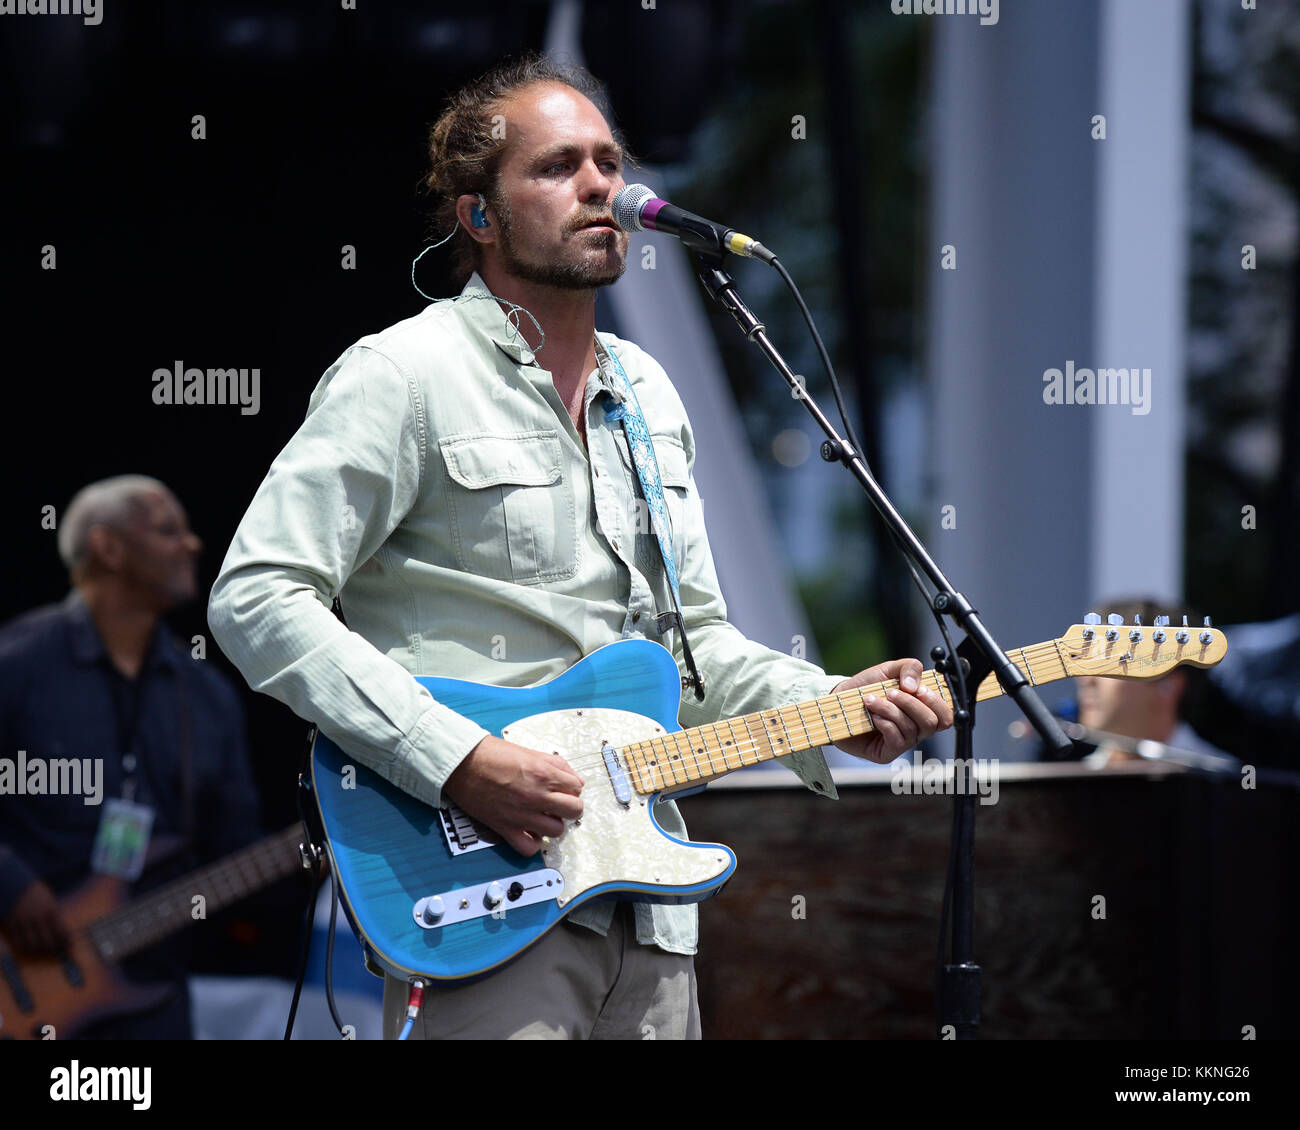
point(54, 996)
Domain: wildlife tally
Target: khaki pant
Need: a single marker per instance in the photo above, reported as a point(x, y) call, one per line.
point(572, 985)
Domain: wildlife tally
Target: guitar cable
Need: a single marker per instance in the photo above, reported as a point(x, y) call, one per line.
point(314, 857)
point(329, 955)
point(306, 946)
point(414, 1002)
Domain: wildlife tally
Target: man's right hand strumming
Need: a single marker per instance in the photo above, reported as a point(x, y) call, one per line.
point(522, 794)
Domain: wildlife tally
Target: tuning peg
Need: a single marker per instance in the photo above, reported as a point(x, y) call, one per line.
point(1092, 618)
point(1206, 637)
point(1162, 621)
point(1114, 618)
point(1137, 620)
point(1207, 622)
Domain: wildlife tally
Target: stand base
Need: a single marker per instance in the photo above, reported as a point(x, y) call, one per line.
point(960, 1009)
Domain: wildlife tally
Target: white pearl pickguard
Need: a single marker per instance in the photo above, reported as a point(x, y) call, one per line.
point(611, 842)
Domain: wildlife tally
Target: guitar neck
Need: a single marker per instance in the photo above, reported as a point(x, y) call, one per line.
point(146, 921)
point(705, 752)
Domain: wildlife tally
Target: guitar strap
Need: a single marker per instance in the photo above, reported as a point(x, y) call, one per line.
point(647, 472)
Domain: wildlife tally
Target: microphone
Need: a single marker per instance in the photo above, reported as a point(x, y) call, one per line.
point(637, 208)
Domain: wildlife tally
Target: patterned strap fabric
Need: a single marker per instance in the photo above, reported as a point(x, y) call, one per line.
point(647, 472)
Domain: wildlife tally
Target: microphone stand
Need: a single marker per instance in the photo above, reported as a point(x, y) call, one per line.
point(978, 654)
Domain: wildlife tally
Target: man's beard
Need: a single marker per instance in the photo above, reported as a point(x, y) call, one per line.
point(563, 276)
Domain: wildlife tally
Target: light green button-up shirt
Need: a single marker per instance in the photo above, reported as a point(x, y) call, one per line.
point(439, 487)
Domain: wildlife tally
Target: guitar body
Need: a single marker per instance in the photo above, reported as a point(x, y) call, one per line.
point(392, 853)
point(70, 991)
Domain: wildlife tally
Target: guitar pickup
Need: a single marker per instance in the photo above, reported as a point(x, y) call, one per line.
point(487, 899)
point(617, 777)
point(463, 834)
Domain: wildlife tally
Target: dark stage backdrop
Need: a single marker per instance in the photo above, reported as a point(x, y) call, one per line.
point(227, 184)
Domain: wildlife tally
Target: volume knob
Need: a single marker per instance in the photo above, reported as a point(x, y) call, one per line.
point(493, 896)
point(433, 910)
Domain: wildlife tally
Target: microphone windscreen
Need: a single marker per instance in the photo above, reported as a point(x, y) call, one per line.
point(628, 202)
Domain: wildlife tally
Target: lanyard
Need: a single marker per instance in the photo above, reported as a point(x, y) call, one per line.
point(128, 698)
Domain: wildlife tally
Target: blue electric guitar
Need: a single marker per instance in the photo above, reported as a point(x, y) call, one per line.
point(430, 893)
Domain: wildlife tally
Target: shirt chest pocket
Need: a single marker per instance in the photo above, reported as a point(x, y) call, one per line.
point(512, 513)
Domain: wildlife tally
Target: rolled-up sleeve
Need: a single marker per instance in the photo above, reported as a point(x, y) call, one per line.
point(332, 497)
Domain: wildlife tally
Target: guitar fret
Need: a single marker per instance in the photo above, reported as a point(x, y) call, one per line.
point(735, 742)
point(648, 765)
point(772, 721)
point(760, 746)
point(740, 746)
point(655, 761)
point(858, 702)
point(1054, 662)
point(673, 759)
point(785, 727)
point(691, 749)
point(714, 748)
point(219, 876)
point(711, 742)
point(940, 687)
point(833, 736)
point(700, 747)
point(799, 708)
point(827, 722)
point(249, 871)
point(817, 702)
point(698, 771)
point(1060, 659)
point(645, 771)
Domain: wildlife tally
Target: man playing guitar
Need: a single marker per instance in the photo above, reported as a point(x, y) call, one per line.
point(463, 484)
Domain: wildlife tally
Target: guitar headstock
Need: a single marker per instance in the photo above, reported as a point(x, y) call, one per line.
point(1138, 651)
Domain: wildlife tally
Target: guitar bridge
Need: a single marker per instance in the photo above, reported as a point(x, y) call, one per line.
point(463, 834)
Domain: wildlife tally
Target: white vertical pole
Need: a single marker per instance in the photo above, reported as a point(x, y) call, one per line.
point(1137, 496)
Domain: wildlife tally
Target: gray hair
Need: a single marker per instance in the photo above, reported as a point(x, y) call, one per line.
point(110, 502)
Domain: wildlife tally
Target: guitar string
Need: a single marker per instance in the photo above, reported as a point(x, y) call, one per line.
point(1030, 655)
